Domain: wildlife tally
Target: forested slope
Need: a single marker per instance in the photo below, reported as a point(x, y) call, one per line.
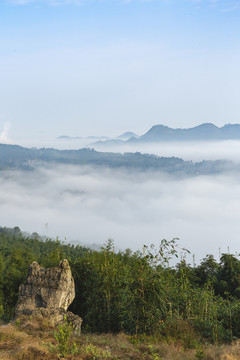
point(138, 293)
point(17, 157)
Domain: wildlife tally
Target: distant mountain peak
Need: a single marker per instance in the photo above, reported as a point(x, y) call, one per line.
point(127, 135)
point(206, 125)
point(205, 131)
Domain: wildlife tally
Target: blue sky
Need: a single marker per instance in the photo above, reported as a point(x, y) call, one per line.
point(104, 67)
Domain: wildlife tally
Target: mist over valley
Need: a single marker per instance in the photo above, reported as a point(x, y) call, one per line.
point(120, 175)
point(88, 197)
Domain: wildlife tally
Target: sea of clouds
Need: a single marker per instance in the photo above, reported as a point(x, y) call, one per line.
point(90, 205)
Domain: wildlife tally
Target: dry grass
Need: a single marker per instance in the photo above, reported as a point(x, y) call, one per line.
point(18, 345)
point(32, 339)
point(223, 352)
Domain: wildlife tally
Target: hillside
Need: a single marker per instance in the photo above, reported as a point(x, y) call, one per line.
point(17, 157)
point(141, 307)
point(31, 339)
point(149, 309)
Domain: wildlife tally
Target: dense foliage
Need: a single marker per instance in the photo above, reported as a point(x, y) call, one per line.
point(134, 292)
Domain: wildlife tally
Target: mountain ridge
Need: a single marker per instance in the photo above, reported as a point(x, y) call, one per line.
point(202, 132)
point(14, 157)
point(163, 133)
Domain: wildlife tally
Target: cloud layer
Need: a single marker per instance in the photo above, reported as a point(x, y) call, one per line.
point(88, 205)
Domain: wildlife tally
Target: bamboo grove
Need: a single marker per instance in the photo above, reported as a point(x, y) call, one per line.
point(133, 292)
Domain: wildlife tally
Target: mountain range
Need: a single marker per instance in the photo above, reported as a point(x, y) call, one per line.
point(201, 132)
point(161, 133)
point(124, 137)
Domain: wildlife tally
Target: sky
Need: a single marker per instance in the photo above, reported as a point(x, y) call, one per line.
point(103, 67)
point(92, 67)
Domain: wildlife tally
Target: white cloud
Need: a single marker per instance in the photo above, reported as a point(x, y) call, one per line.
point(231, 6)
point(221, 5)
point(192, 150)
point(134, 208)
point(4, 134)
point(49, 2)
point(77, 2)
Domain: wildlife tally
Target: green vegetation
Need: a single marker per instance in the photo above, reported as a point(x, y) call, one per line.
point(16, 157)
point(33, 339)
point(62, 335)
point(137, 293)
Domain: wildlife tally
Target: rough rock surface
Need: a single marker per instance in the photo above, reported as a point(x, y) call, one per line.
point(48, 293)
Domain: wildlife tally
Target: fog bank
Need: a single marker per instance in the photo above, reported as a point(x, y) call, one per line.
point(188, 150)
point(90, 205)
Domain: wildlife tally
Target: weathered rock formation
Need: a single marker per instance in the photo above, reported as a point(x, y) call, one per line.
point(48, 293)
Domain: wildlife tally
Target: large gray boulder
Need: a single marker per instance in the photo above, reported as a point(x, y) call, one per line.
point(48, 293)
